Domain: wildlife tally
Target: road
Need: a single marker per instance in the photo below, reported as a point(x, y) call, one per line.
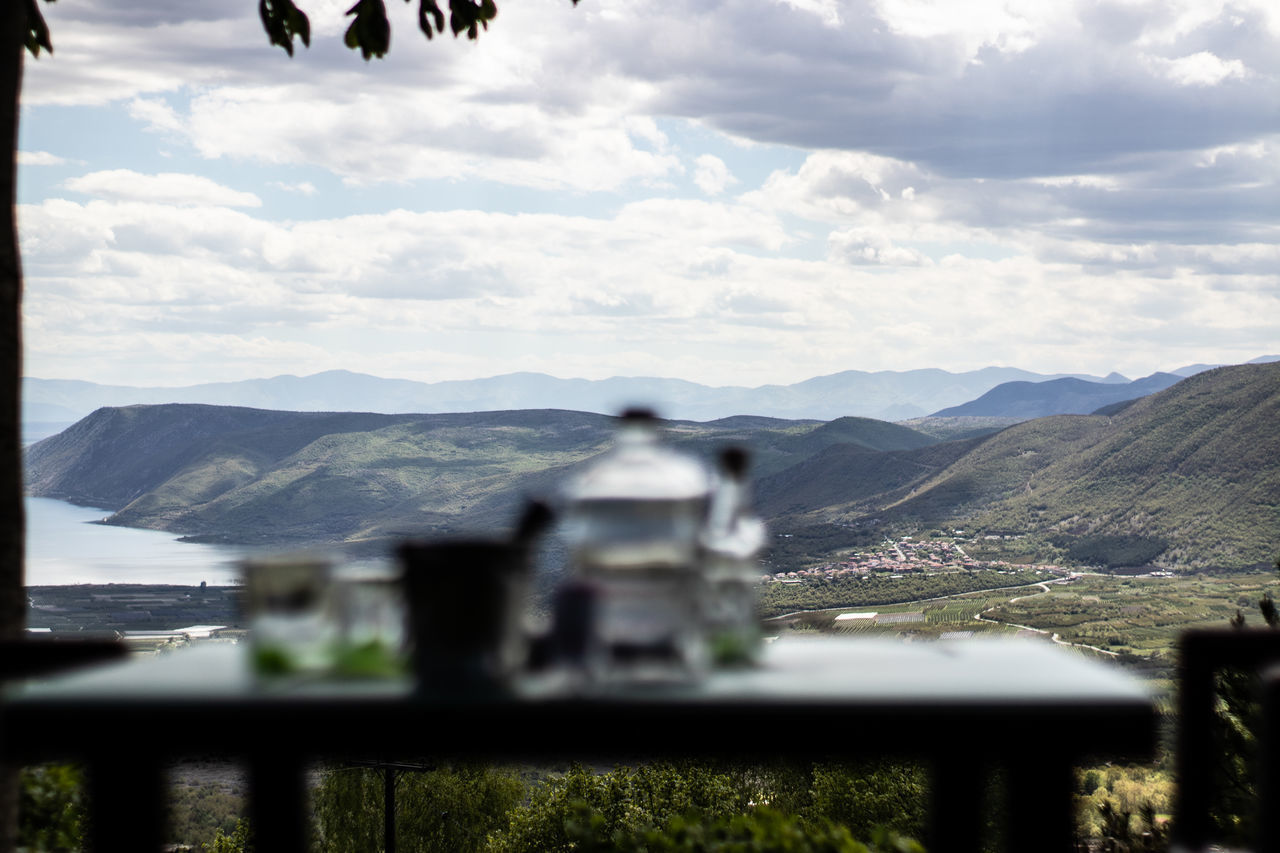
point(1044, 590)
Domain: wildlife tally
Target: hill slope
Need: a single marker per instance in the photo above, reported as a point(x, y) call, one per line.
point(1190, 475)
point(250, 475)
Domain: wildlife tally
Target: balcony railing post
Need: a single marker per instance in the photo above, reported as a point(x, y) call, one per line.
point(1269, 772)
point(278, 802)
point(955, 811)
point(1202, 655)
point(1038, 799)
point(126, 801)
point(1194, 760)
point(389, 809)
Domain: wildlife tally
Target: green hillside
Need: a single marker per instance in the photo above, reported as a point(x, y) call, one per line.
point(246, 475)
point(1188, 477)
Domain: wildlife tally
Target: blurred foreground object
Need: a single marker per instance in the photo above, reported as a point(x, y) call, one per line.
point(731, 544)
point(466, 602)
point(292, 620)
point(659, 551)
point(371, 621)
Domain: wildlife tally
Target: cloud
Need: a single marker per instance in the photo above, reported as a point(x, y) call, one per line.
point(990, 89)
point(301, 187)
point(693, 285)
point(1014, 182)
point(40, 158)
point(857, 246)
point(1198, 69)
point(164, 188)
point(712, 176)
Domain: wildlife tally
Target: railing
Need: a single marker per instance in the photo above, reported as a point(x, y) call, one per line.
point(962, 708)
point(1203, 656)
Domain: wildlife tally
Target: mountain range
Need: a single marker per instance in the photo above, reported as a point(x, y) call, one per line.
point(50, 404)
point(1067, 396)
point(885, 395)
point(1186, 477)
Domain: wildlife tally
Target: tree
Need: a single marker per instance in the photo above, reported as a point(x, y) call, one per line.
point(52, 806)
point(447, 808)
point(19, 30)
point(239, 841)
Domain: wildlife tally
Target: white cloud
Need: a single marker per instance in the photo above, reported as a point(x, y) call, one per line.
point(301, 187)
point(1006, 25)
point(155, 114)
point(827, 11)
point(164, 188)
point(702, 293)
point(860, 246)
point(712, 176)
point(1198, 69)
point(40, 158)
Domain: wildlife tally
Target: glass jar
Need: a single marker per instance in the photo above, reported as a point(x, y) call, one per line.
point(632, 526)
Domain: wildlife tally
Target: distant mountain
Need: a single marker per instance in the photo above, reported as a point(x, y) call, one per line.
point(1193, 369)
point(885, 395)
point(1186, 477)
point(1027, 400)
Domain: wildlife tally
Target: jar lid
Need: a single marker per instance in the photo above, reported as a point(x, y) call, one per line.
point(639, 468)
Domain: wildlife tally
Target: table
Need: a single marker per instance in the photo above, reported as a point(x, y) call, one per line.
point(961, 706)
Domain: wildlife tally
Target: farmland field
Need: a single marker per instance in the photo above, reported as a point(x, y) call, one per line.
point(1135, 621)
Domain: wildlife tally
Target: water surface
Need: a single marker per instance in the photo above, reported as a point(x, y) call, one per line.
point(64, 546)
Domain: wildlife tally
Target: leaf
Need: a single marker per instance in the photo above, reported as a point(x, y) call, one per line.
point(370, 31)
point(37, 35)
point(283, 22)
point(429, 11)
point(469, 16)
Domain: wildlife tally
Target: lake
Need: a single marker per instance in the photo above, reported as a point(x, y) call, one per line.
point(65, 547)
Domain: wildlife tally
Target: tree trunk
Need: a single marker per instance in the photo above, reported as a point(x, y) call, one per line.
point(12, 524)
point(12, 518)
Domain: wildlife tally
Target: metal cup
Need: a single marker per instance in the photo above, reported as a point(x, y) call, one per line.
point(466, 601)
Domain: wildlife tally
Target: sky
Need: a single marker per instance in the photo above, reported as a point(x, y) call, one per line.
point(732, 192)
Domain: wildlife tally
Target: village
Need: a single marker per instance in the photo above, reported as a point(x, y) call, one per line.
point(904, 556)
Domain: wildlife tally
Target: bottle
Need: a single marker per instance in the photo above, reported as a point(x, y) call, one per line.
point(731, 545)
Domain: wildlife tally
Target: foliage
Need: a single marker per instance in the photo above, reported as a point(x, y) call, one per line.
point(697, 806)
point(370, 31)
point(238, 840)
point(869, 796)
point(51, 805)
point(1126, 804)
point(197, 813)
point(762, 829)
point(37, 35)
point(449, 808)
point(579, 806)
point(1112, 551)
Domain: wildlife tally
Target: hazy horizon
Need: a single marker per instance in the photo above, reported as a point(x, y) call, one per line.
point(664, 378)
